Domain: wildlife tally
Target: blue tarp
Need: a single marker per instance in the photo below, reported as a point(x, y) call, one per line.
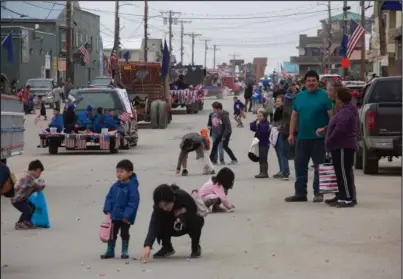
point(391, 5)
point(41, 216)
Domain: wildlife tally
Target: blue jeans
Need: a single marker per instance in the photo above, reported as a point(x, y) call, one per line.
point(305, 149)
point(220, 151)
point(282, 151)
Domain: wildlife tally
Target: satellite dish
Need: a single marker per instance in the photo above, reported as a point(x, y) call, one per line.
point(301, 51)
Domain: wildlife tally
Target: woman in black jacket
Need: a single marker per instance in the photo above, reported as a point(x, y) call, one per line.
point(174, 214)
point(248, 96)
point(69, 118)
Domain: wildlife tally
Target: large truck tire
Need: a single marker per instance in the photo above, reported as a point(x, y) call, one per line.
point(154, 114)
point(201, 104)
point(370, 164)
point(53, 149)
point(188, 109)
point(195, 107)
point(162, 115)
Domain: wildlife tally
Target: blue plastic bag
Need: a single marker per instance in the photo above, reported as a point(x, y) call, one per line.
point(40, 218)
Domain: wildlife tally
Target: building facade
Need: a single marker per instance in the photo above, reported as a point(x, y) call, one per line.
point(40, 35)
point(311, 48)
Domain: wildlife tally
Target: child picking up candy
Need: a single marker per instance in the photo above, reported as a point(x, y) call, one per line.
point(24, 188)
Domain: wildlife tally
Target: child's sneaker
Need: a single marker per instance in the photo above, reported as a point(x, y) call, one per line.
point(21, 226)
point(222, 162)
point(196, 252)
point(233, 162)
point(218, 209)
point(277, 175)
point(110, 251)
point(285, 177)
point(164, 252)
point(185, 172)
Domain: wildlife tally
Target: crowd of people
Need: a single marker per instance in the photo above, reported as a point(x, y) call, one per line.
point(315, 121)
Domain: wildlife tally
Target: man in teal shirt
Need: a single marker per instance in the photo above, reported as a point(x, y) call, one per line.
point(312, 110)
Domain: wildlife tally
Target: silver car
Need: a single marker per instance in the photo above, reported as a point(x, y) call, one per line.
point(42, 87)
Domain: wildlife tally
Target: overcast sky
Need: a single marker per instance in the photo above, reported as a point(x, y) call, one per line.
point(247, 29)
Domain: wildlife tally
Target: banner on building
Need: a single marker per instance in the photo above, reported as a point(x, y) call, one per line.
point(25, 46)
point(54, 67)
point(61, 65)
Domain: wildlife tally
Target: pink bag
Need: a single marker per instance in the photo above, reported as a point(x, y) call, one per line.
point(105, 230)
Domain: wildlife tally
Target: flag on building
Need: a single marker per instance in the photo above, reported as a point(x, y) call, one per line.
point(343, 46)
point(7, 43)
point(356, 33)
point(85, 54)
point(165, 61)
point(113, 60)
point(283, 73)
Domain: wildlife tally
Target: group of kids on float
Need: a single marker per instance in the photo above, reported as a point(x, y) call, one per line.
point(175, 211)
point(84, 121)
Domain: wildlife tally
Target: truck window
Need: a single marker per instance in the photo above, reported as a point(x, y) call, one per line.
point(385, 91)
point(39, 83)
point(108, 100)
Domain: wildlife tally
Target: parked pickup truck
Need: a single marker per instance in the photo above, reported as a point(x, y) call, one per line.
point(380, 123)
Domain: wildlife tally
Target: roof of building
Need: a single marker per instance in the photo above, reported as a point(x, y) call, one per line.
point(38, 10)
point(350, 15)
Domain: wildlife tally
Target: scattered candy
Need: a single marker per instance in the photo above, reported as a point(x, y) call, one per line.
point(134, 259)
point(4, 266)
point(127, 262)
point(118, 269)
point(101, 274)
point(82, 263)
point(88, 267)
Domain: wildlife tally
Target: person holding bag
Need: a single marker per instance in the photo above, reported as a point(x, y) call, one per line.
point(341, 142)
point(262, 132)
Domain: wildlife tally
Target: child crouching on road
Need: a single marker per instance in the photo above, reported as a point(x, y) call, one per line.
point(25, 187)
point(121, 204)
point(214, 192)
point(238, 109)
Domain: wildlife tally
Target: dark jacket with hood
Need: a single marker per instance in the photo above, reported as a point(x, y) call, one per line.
point(159, 216)
point(123, 200)
point(342, 129)
point(190, 142)
point(226, 128)
point(262, 132)
point(248, 91)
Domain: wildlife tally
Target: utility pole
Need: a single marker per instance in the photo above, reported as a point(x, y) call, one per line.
point(234, 56)
point(345, 9)
point(214, 49)
point(205, 52)
point(182, 34)
point(145, 31)
point(69, 49)
point(382, 36)
point(193, 35)
point(329, 35)
point(116, 42)
point(170, 20)
point(363, 75)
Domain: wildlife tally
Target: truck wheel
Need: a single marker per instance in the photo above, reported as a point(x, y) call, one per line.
point(201, 105)
point(162, 115)
point(112, 144)
point(169, 117)
point(358, 159)
point(188, 109)
point(195, 107)
point(53, 149)
point(154, 114)
point(135, 139)
point(369, 164)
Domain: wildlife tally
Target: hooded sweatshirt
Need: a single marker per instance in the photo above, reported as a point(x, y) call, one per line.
point(342, 129)
point(122, 200)
point(226, 128)
point(57, 122)
point(84, 120)
point(190, 142)
point(182, 200)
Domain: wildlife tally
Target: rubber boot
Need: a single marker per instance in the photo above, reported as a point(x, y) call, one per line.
point(125, 249)
point(110, 251)
point(263, 171)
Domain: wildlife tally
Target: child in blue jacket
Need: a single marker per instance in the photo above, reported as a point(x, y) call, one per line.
point(261, 128)
point(238, 108)
point(122, 203)
point(257, 100)
point(57, 120)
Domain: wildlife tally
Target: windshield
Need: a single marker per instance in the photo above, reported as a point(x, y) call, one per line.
point(387, 91)
point(108, 100)
point(101, 81)
point(40, 83)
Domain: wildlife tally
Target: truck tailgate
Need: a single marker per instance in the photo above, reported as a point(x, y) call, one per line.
point(389, 119)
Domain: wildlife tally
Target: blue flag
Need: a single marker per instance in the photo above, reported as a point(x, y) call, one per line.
point(126, 56)
point(391, 5)
point(165, 60)
point(343, 46)
point(8, 45)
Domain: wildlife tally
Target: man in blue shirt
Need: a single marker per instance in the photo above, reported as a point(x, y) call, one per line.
point(312, 110)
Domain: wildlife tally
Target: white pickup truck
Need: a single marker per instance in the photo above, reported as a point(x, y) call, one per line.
point(12, 127)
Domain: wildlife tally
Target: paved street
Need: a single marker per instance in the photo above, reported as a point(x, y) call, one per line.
point(263, 238)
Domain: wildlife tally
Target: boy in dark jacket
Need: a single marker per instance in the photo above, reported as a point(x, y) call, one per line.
point(238, 108)
point(262, 131)
point(174, 214)
point(122, 203)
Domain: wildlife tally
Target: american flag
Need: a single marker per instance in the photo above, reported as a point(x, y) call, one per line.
point(104, 141)
point(70, 141)
point(81, 142)
point(283, 73)
point(124, 116)
point(327, 179)
point(356, 32)
point(86, 55)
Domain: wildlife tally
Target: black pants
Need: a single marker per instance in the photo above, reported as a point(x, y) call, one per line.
point(248, 101)
point(117, 226)
point(263, 152)
point(192, 225)
point(225, 146)
point(27, 209)
point(343, 160)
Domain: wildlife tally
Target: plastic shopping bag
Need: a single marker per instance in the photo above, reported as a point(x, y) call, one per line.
point(273, 136)
point(40, 218)
point(202, 209)
point(105, 230)
point(253, 153)
point(327, 179)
